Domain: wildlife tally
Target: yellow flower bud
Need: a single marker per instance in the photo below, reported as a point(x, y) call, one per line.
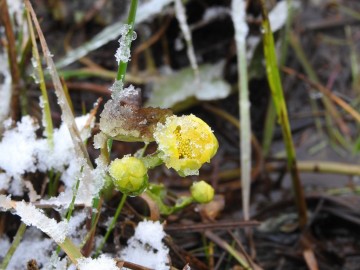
point(202, 192)
point(186, 143)
point(129, 175)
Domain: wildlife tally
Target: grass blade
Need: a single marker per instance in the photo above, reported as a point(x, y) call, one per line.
point(281, 111)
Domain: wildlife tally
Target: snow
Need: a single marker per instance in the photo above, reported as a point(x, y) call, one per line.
point(102, 263)
point(23, 152)
point(123, 52)
point(32, 246)
point(215, 12)
point(32, 216)
point(146, 247)
point(116, 89)
point(17, 148)
point(278, 15)
point(238, 13)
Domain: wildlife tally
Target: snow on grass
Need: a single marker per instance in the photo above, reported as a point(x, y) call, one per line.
point(123, 52)
point(102, 263)
point(146, 247)
point(23, 153)
point(32, 216)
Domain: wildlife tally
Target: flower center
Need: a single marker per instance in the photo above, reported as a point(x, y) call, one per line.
point(183, 144)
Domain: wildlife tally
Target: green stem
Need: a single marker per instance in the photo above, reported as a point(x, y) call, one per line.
point(19, 234)
point(112, 224)
point(71, 250)
point(131, 21)
point(281, 110)
point(270, 120)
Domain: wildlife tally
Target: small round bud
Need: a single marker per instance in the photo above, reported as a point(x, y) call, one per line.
point(202, 192)
point(129, 175)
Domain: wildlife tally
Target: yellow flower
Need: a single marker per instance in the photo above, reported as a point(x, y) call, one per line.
point(186, 143)
point(129, 175)
point(202, 192)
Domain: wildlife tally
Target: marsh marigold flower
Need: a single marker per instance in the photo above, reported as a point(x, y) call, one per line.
point(186, 143)
point(129, 175)
point(202, 192)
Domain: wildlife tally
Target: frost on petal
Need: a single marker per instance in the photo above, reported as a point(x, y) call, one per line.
point(32, 216)
point(102, 263)
point(146, 247)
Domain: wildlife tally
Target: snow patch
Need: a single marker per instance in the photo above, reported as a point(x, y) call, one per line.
point(146, 247)
point(101, 263)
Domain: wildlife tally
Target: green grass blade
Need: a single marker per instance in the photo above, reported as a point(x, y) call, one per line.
point(281, 111)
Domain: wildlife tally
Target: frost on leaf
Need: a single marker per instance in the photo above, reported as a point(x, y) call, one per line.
point(101, 263)
point(123, 52)
point(125, 120)
point(181, 86)
point(146, 247)
point(32, 216)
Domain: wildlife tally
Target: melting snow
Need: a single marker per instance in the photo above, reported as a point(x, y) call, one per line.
point(146, 247)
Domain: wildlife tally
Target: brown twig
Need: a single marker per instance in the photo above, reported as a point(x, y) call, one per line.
point(14, 69)
point(153, 39)
point(324, 90)
point(219, 225)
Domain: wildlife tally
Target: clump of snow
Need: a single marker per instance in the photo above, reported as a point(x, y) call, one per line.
point(23, 152)
point(123, 52)
point(32, 216)
point(102, 263)
point(17, 147)
point(146, 247)
point(116, 89)
point(100, 140)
